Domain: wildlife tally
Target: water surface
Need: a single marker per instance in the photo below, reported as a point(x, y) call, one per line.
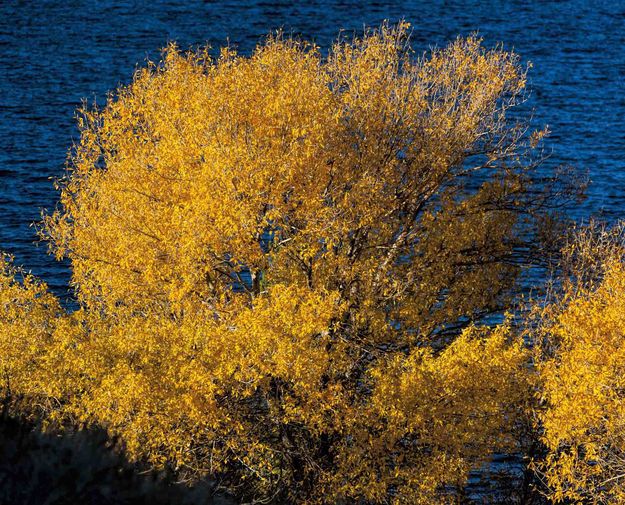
point(55, 53)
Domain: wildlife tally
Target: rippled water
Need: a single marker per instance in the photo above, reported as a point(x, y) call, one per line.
point(54, 53)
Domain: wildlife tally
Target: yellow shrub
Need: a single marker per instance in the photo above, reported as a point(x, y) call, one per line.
point(582, 369)
point(275, 258)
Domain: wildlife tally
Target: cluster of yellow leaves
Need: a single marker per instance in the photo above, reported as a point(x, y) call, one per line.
point(342, 163)
point(28, 315)
point(206, 395)
point(581, 364)
point(275, 257)
point(187, 391)
point(432, 418)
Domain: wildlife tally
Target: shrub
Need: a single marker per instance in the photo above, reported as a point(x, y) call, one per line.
point(280, 261)
point(581, 365)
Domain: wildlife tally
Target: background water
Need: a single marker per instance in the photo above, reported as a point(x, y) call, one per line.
point(55, 53)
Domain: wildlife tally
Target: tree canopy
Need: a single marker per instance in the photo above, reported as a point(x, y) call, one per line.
point(283, 264)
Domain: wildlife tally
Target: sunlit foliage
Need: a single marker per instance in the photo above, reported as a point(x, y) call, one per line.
point(582, 370)
point(282, 262)
point(28, 316)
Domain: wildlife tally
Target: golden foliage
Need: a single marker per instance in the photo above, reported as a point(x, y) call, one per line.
point(342, 163)
point(277, 258)
point(581, 363)
point(28, 315)
point(432, 418)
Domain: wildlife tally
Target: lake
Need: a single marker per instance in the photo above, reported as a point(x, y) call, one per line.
point(53, 54)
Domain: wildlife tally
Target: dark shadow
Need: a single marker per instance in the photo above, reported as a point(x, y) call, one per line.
point(80, 467)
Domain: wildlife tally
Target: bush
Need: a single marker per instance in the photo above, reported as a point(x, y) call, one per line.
point(581, 365)
point(280, 261)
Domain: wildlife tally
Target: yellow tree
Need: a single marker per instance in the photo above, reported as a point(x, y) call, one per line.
point(581, 365)
point(278, 259)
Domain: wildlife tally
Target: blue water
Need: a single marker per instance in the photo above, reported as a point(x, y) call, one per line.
point(55, 53)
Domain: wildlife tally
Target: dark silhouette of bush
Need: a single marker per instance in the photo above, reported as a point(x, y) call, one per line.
point(82, 467)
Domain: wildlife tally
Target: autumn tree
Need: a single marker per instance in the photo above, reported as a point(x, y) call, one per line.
point(581, 364)
point(282, 262)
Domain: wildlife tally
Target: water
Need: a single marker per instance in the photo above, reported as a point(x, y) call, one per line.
point(55, 53)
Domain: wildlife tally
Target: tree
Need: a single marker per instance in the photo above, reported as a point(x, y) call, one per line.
point(281, 261)
point(581, 365)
